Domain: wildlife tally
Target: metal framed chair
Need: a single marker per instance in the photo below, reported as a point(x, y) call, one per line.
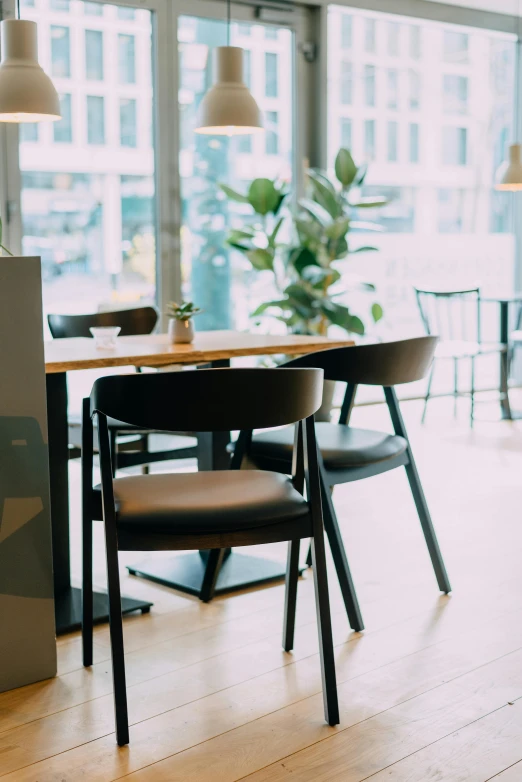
point(455, 317)
point(206, 510)
point(351, 454)
point(130, 446)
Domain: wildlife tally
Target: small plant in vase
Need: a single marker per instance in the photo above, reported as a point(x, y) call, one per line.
point(181, 327)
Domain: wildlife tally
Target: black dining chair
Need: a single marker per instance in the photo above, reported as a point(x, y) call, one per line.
point(351, 454)
point(455, 316)
point(130, 446)
point(206, 510)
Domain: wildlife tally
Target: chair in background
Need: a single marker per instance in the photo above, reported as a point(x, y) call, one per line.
point(455, 317)
point(206, 510)
point(130, 446)
point(350, 454)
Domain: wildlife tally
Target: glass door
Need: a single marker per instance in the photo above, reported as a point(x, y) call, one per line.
point(87, 181)
point(221, 282)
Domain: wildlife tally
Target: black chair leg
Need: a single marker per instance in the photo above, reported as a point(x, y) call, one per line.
point(87, 530)
point(428, 391)
point(324, 623)
point(418, 495)
point(214, 562)
point(309, 556)
point(427, 528)
point(87, 599)
point(340, 560)
point(292, 579)
point(114, 451)
point(116, 634)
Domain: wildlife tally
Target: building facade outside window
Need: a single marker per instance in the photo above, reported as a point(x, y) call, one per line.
point(60, 52)
point(94, 55)
point(62, 130)
point(128, 123)
point(432, 115)
point(127, 58)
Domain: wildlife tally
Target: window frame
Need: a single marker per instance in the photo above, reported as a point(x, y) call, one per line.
point(308, 22)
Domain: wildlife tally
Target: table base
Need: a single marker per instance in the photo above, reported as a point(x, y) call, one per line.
point(68, 609)
point(186, 572)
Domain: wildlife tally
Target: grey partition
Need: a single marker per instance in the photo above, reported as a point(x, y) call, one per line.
point(27, 631)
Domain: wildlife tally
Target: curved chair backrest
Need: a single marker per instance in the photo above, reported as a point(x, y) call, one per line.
point(379, 364)
point(451, 314)
point(210, 400)
point(140, 320)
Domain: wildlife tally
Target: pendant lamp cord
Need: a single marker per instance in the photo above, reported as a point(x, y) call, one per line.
point(229, 20)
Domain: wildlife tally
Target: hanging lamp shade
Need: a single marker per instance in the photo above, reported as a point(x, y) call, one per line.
point(509, 174)
point(228, 108)
point(27, 94)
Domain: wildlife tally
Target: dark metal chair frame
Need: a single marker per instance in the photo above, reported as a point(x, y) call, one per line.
point(133, 449)
point(207, 400)
point(387, 365)
point(445, 326)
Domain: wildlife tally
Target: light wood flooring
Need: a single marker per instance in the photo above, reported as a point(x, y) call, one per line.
point(431, 691)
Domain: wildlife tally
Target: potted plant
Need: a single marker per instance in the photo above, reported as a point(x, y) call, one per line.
point(181, 327)
point(307, 269)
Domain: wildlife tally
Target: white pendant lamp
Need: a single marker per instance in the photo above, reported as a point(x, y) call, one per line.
point(27, 94)
point(509, 173)
point(228, 108)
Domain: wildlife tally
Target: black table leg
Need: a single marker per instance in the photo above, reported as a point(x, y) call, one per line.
point(205, 574)
point(67, 598)
point(505, 408)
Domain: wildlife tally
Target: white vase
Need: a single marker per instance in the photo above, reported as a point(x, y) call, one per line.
point(181, 331)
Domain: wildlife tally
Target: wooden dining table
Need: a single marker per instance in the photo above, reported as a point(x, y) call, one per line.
point(186, 572)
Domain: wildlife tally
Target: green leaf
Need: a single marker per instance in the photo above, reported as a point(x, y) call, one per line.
point(307, 229)
point(233, 194)
point(282, 303)
point(300, 257)
point(316, 276)
point(340, 315)
point(325, 196)
point(339, 228)
point(356, 326)
point(263, 196)
point(316, 210)
point(365, 249)
point(361, 225)
point(377, 312)
point(370, 202)
point(360, 175)
point(282, 194)
point(273, 236)
point(261, 259)
point(236, 239)
point(345, 168)
point(337, 248)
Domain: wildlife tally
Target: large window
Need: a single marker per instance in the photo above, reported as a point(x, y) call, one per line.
point(222, 282)
point(94, 55)
point(60, 51)
point(62, 130)
point(127, 58)
point(88, 180)
point(432, 115)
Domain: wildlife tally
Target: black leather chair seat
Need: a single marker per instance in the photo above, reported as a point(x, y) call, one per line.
point(205, 502)
point(341, 446)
